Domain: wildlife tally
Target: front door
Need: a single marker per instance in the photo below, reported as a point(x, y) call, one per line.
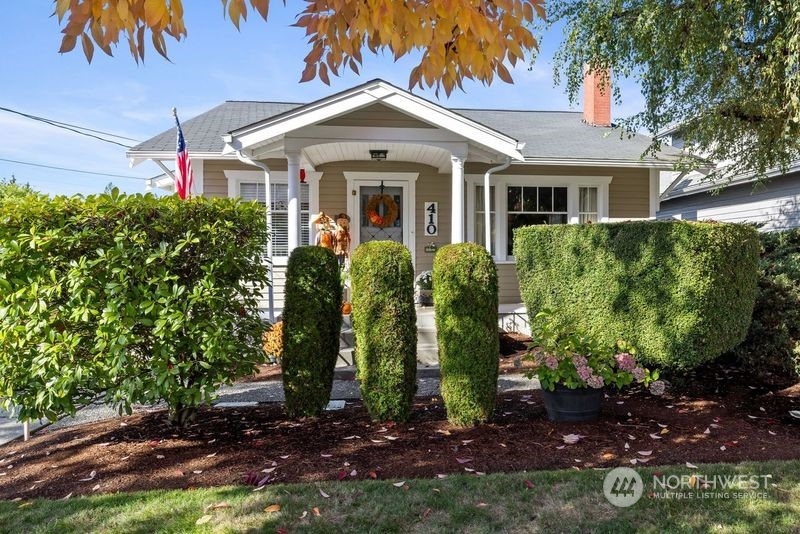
point(382, 212)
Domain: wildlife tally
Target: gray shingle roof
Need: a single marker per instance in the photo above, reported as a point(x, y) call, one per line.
point(547, 135)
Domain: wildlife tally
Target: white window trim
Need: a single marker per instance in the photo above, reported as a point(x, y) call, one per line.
point(502, 181)
point(237, 177)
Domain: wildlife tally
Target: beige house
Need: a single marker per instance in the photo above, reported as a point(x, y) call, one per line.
point(340, 153)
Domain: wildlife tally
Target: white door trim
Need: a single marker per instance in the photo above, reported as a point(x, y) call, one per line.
point(406, 180)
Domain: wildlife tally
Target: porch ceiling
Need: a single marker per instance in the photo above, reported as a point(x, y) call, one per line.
point(359, 151)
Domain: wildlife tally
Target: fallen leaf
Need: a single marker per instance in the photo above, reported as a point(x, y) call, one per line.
point(633, 461)
point(665, 431)
point(285, 457)
point(324, 494)
point(572, 438)
point(373, 475)
point(480, 473)
point(316, 511)
point(272, 508)
point(463, 460)
point(203, 520)
point(441, 476)
point(211, 455)
point(691, 466)
point(469, 470)
point(352, 437)
point(342, 474)
point(391, 438)
point(197, 471)
point(632, 438)
point(662, 426)
point(645, 453)
point(503, 445)
point(722, 448)
point(382, 430)
point(466, 442)
point(305, 513)
point(445, 432)
point(160, 456)
point(353, 473)
point(560, 447)
point(707, 431)
point(326, 455)
point(399, 484)
point(436, 490)
point(529, 484)
point(377, 441)
point(481, 505)
point(268, 470)
point(627, 446)
point(96, 487)
point(644, 460)
point(771, 433)
point(426, 513)
point(655, 436)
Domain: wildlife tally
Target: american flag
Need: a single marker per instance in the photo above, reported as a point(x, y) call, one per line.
point(183, 165)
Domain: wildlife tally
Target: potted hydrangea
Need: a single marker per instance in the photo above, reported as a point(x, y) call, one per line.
point(574, 366)
point(423, 289)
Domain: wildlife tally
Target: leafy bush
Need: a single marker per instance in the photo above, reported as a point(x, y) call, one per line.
point(312, 321)
point(465, 306)
point(385, 327)
point(564, 354)
point(773, 341)
point(681, 292)
point(136, 298)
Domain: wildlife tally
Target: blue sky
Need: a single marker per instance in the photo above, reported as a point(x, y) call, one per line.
point(215, 63)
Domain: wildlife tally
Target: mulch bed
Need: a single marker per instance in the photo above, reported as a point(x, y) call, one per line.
point(719, 414)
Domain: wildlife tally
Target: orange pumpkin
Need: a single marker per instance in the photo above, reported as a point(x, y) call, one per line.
point(326, 239)
point(347, 308)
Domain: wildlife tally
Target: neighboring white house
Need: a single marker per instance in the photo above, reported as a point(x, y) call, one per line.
point(338, 153)
point(773, 204)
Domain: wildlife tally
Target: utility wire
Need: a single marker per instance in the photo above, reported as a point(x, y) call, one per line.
point(73, 128)
point(73, 170)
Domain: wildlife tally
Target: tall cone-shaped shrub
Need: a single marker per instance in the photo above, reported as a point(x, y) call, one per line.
point(385, 327)
point(311, 325)
point(465, 304)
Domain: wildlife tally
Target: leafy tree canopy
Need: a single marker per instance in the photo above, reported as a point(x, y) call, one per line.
point(728, 72)
point(458, 39)
point(10, 188)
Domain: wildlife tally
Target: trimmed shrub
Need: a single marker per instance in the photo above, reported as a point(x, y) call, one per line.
point(312, 321)
point(385, 328)
point(773, 341)
point(133, 297)
point(681, 292)
point(465, 305)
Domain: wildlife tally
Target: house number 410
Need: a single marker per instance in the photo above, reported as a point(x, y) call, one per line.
point(431, 218)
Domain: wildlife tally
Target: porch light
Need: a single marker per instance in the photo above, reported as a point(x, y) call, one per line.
point(378, 155)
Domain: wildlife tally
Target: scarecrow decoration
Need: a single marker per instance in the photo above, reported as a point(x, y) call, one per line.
point(326, 230)
point(342, 247)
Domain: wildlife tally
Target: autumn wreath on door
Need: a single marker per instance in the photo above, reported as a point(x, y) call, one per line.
point(381, 211)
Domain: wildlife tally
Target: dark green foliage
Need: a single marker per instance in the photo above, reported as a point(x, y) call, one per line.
point(135, 297)
point(681, 292)
point(385, 327)
point(773, 341)
point(465, 301)
point(312, 321)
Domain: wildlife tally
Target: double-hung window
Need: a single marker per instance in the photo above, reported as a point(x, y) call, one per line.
point(528, 205)
point(279, 233)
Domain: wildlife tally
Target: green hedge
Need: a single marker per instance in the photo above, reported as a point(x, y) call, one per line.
point(385, 327)
point(681, 292)
point(465, 304)
point(773, 341)
point(135, 297)
point(312, 320)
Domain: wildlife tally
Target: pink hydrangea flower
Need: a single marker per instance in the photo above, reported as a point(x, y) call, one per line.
point(638, 374)
point(579, 361)
point(595, 381)
point(551, 362)
point(584, 372)
point(625, 361)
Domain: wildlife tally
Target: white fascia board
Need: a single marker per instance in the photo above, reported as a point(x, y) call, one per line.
point(599, 163)
point(736, 180)
point(327, 109)
point(135, 158)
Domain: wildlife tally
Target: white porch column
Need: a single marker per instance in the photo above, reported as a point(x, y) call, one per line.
point(457, 199)
point(293, 210)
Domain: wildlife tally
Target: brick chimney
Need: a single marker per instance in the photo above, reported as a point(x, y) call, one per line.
point(597, 98)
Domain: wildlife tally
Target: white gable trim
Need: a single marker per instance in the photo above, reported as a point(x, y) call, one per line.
point(375, 92)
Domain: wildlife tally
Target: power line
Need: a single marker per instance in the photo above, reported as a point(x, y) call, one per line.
point(73, 128)
point(72, 170)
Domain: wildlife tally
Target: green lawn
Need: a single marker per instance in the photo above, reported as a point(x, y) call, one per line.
point(559, 501)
